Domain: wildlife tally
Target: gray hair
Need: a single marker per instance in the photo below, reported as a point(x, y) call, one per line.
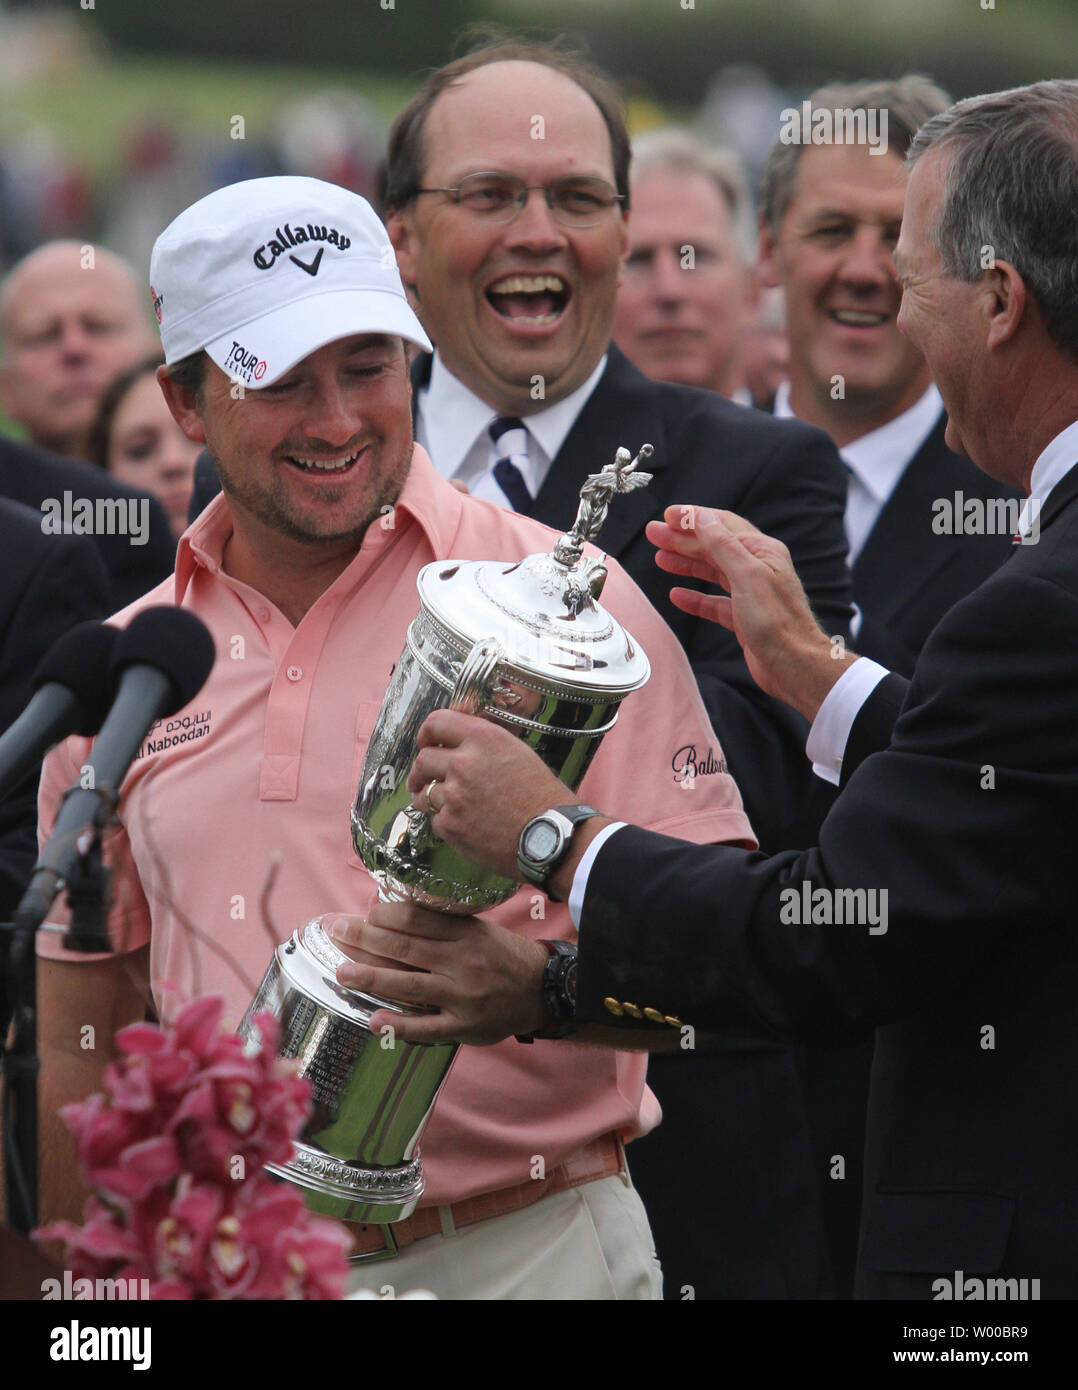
point(678, 149)
point(909, 101)
point(1012, 189)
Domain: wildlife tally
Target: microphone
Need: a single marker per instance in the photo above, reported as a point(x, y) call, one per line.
point(74, 691)
point(159, 664)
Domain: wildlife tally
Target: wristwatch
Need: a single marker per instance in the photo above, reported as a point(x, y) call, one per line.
point(545, 840)
point(559, 993)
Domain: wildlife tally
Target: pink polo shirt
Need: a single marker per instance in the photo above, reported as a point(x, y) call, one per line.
point(266, 759)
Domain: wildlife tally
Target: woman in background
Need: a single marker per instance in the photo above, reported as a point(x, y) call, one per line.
point(136, 439)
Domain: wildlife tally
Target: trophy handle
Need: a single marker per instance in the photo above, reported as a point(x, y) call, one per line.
point(475, 685)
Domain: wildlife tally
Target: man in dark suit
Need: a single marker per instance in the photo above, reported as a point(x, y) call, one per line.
point(519, 303)
point(937, 908)
point(137, 551)
point(520, 307)
point(47, 585)
point(829, 219)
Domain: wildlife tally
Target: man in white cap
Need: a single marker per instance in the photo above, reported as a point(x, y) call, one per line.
point(282, 318)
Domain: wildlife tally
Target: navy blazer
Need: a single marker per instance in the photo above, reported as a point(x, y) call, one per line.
point(30, 475)
point(905, 578)
point(47, 585)
point(964, 813)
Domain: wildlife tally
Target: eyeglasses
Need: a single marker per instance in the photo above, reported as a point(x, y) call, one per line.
point(573, 202)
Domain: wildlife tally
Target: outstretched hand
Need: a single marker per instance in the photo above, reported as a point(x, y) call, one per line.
point(787, 652)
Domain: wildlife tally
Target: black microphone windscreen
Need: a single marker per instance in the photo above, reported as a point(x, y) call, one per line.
point(79, 661)
point(172, 641)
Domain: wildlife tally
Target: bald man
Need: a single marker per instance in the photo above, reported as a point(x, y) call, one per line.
point(71, 319)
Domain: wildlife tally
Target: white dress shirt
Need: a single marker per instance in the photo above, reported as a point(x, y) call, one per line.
point(1052, 464)
point(453, 425)
point(835, 718)
point(877, 460)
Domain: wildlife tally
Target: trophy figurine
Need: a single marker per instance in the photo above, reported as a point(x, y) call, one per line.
point(528, 645)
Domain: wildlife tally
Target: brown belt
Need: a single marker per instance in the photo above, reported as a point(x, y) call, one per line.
point(602, 1158)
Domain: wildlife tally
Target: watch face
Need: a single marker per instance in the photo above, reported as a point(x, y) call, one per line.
point(541, 841)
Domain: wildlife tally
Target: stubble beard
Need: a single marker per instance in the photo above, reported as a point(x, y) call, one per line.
point(272, 507)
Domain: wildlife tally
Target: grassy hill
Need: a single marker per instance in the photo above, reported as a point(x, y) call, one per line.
point(93, 109)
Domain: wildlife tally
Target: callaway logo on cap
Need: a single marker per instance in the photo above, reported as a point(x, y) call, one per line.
point(333, 274)
point(266, 255)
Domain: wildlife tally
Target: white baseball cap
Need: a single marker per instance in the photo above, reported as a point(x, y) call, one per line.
point(262, 273)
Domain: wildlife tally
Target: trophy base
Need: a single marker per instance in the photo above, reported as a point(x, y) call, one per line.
point(357, 1157)
point(353, 1191)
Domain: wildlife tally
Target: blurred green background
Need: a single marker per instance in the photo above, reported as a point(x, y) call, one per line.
point(200, 63)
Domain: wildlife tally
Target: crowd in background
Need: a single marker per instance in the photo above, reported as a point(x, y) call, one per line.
point(48, 193)
point(334, 137)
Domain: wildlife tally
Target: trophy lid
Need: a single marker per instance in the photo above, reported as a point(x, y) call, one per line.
point(543, 610)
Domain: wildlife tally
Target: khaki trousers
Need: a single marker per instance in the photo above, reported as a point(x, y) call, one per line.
point(591, 1242)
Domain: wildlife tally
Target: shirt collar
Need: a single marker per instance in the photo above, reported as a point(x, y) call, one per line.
point(879, 458)
point(781, 409)
point(426, 498)
point(459, 417)
point(1053, 463)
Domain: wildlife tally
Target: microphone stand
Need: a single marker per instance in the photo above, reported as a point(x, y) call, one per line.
point(88, 887)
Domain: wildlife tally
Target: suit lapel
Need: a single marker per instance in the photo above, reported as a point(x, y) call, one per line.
point(902, 553)
point(621, 410)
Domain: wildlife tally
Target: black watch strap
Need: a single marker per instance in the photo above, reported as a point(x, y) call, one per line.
point(559, 993)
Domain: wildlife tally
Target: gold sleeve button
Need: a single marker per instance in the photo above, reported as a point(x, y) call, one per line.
point(654, 1015)
point(613, 1007)
point(631, 1009)
point(673, 1022)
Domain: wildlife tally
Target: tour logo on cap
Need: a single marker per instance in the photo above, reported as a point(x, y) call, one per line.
point(265, 257)
point(241, 362)
point(157, 299)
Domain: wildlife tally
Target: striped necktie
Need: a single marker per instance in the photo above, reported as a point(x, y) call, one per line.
point(510, 439)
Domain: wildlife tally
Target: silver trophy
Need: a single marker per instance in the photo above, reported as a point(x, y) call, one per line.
point(528, 645)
